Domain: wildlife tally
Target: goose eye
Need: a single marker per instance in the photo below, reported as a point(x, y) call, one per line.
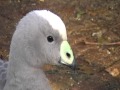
point(50, 39)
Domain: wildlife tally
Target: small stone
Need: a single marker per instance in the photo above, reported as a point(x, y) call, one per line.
point(41, 0)
point(92, 19)
point(114, 72)
point(71, 84)
point(108, 52)
point(70, 78)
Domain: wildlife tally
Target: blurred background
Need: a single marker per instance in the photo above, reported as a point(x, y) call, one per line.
point(93, 29)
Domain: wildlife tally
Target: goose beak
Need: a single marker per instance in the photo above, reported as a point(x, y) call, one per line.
point(67, 57)
point(73, 65)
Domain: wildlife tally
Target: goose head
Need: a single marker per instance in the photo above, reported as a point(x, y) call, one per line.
point(40, 38)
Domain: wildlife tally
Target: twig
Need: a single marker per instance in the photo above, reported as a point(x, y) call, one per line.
point(107, 44)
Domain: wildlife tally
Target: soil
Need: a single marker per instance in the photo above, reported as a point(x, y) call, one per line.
point(93, 32)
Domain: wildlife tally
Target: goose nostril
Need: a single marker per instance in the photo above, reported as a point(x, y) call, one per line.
point(68, 55)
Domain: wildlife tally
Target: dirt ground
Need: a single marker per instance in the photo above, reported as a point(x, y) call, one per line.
point(93, 32)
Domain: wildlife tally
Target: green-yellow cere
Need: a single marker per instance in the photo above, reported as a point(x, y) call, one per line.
point(65, 48)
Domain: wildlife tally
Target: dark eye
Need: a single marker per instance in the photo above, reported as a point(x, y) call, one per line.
point(50, 39)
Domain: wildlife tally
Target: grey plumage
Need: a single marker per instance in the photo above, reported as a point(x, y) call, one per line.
point(3, 73)
point(30, 49)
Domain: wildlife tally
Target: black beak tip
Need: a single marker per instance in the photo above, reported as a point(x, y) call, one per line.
point(73, 65)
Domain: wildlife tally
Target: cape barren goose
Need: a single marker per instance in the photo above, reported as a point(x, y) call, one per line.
point(40, 38)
